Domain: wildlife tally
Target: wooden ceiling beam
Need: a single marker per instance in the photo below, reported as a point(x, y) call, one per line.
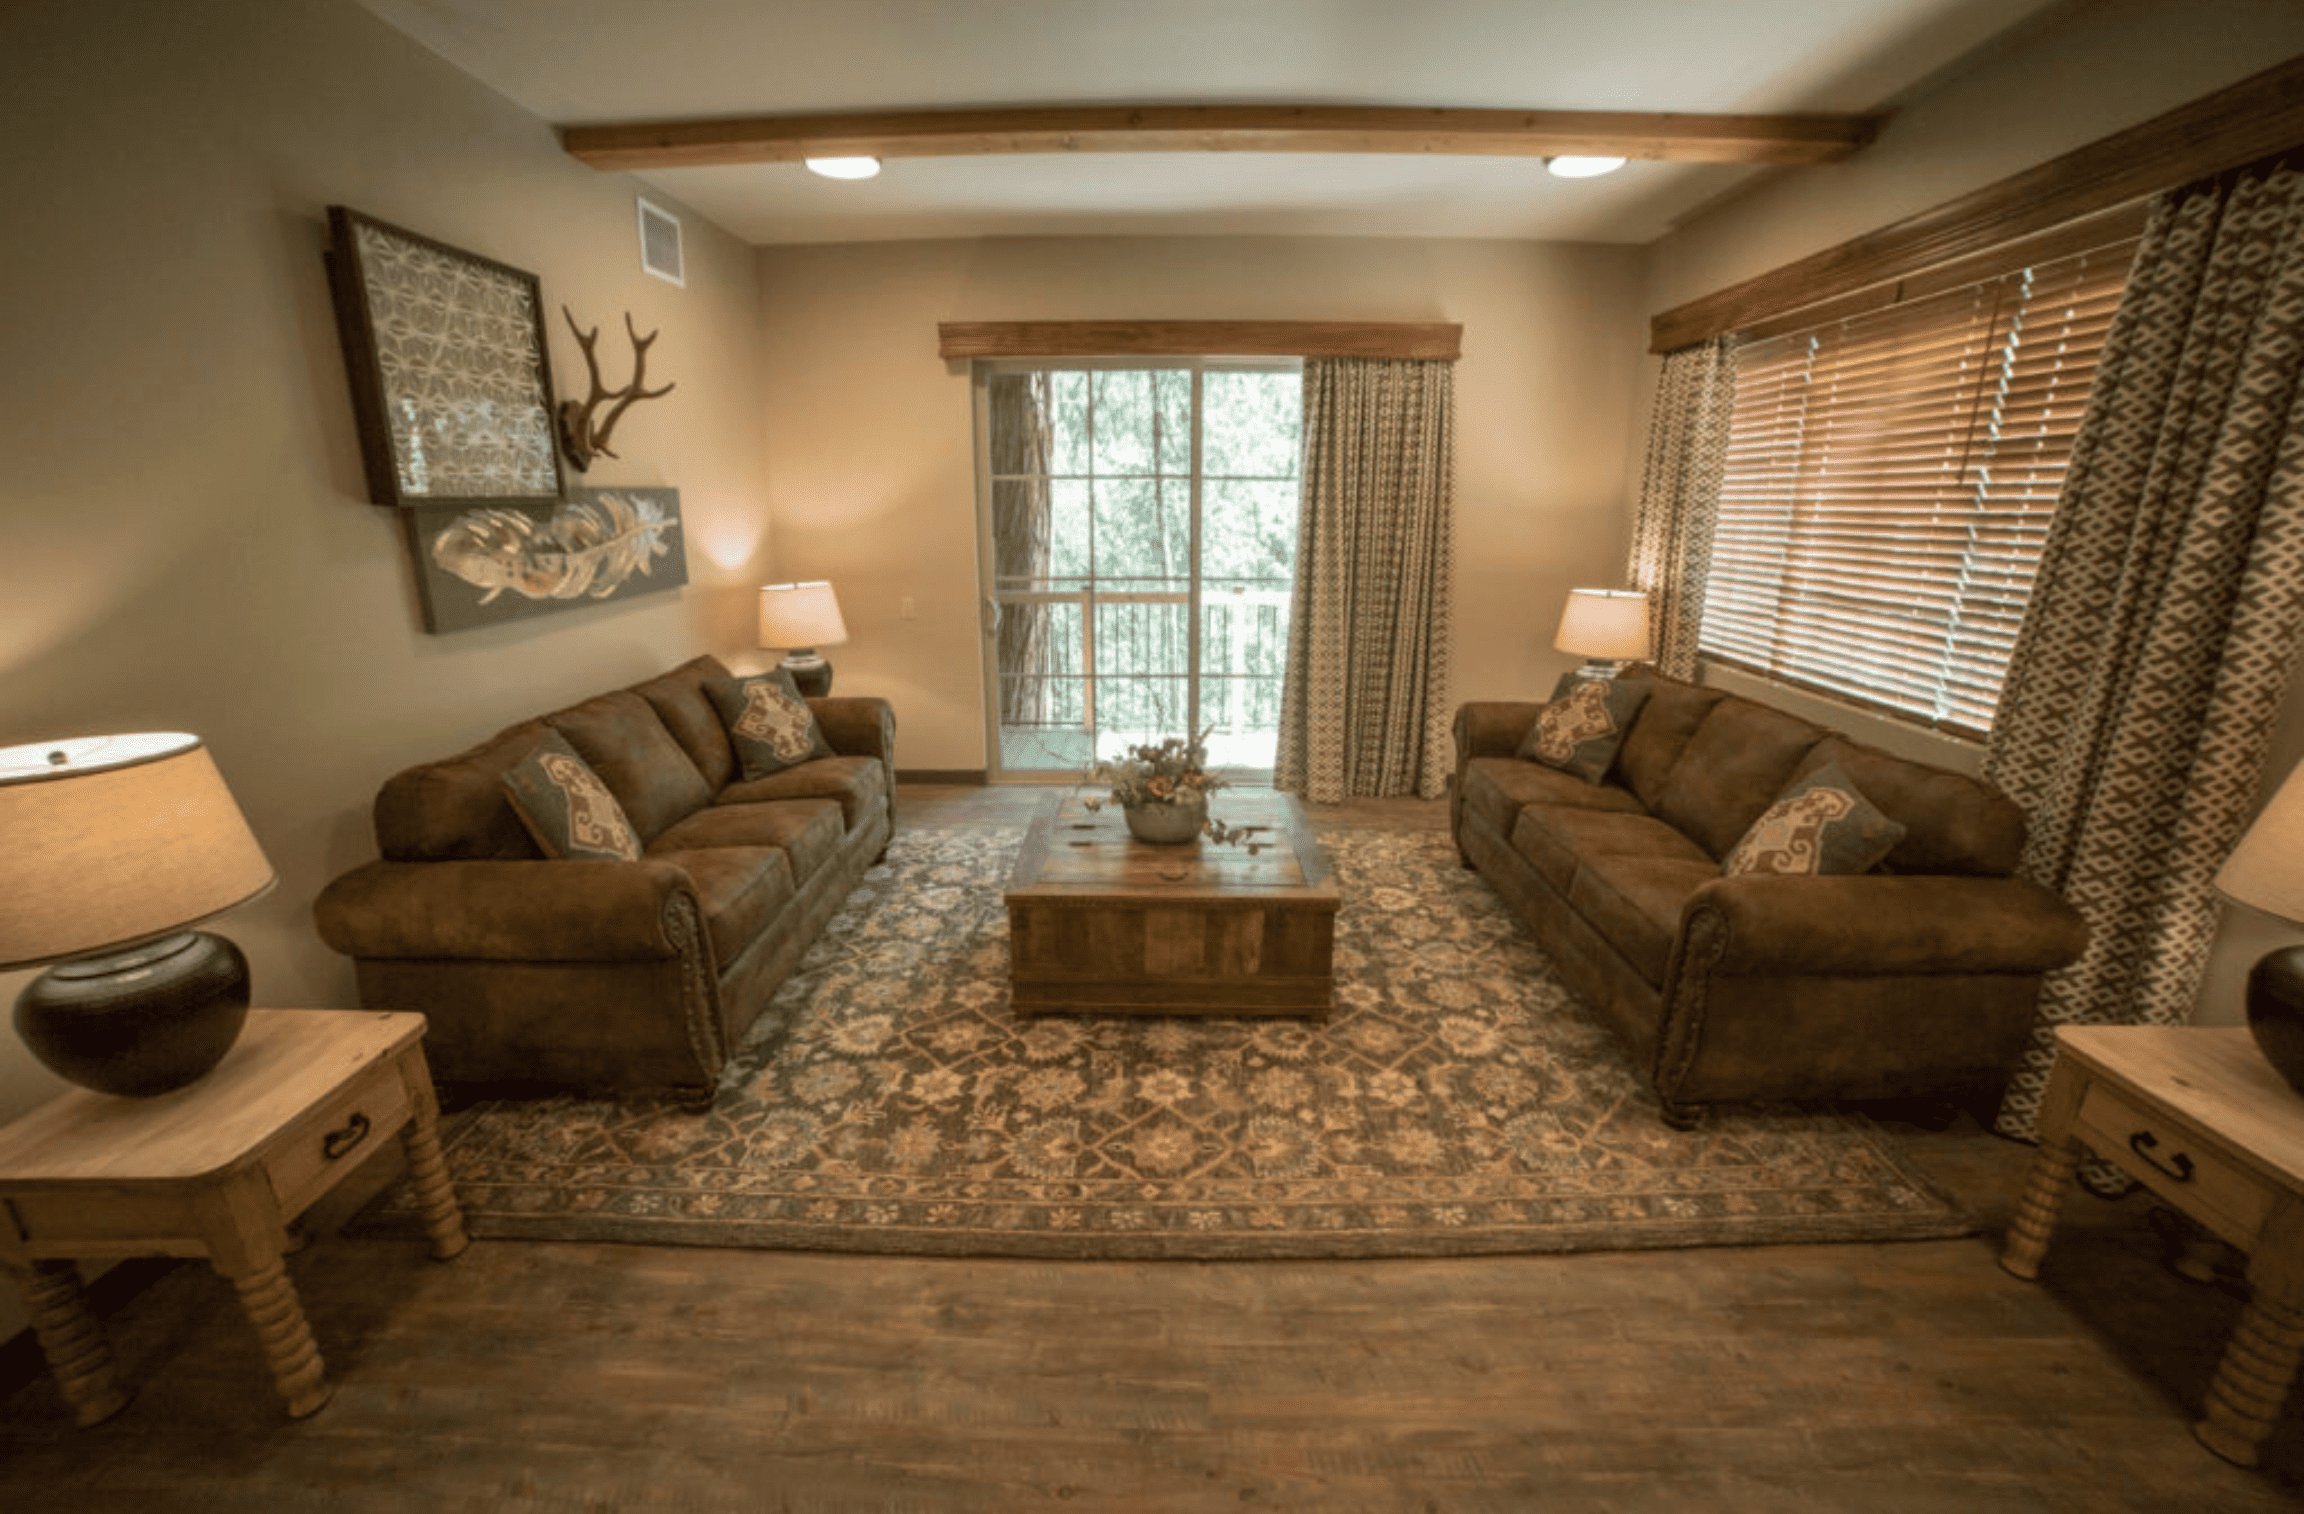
point(641, 145)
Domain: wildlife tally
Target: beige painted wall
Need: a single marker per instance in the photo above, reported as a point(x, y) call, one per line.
point(871, 469)
point(188, 542)
point(2089, 70)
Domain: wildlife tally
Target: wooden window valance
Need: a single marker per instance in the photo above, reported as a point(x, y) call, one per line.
point(2261, 115)
point(1069, 339)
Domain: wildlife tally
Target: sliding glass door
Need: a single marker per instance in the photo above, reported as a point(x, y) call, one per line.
point(1137, 542)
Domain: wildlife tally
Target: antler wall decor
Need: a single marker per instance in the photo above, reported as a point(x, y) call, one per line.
point(580, 437)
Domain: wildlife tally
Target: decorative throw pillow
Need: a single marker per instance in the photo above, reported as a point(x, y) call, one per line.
point(1583, 726)
point(768, 722)
point(1820, 825)
point(567, 808)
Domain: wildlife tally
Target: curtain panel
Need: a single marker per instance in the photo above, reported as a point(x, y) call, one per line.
point(1680, 495)
point(1365, 706)
point(2165, 621)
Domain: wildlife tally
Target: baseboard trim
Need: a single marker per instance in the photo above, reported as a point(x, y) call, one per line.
point(972, 777)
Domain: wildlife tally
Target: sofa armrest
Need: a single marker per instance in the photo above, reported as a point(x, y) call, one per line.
point(859, 727)
point(1493, 728)
point(522, 911)
point(1875, 923)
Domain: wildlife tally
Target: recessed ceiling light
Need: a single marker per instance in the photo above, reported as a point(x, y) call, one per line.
point(1570, 166)
point(844, 168)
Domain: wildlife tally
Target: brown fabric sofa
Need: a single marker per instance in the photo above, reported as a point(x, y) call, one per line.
point(610, 974)
point(1917, 979)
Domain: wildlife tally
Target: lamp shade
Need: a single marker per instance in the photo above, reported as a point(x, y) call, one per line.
point(1610, 624)
point(2266, 870)
point(800, 615)
point(112, 840)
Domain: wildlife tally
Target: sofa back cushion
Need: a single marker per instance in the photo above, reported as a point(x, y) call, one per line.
point(620, 736)
point(455, 810)
point(1660, 731)
point(1731, 769)
point(678, 699)
point(1952, 823)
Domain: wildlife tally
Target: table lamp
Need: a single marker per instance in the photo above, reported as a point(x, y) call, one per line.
point(800, 618)
point(116, 845)
point(1606, 627)
point(2266, 872)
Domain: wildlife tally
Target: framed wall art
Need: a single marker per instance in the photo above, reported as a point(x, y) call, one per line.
point(446, 355)
point(483, 565)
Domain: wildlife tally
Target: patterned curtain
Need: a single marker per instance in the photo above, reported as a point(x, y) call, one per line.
point(2137, 713)
point(1680, 495)
point(1364, 708)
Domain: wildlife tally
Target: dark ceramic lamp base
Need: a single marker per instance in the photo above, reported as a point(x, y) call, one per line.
point(138, 1022)
point(811, 675)
point(2276, 1011)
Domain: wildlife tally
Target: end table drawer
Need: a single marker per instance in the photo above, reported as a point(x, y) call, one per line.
point(2197, 1176)
point(336, 1137)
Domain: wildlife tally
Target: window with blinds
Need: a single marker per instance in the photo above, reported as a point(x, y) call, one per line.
point(1888, 487)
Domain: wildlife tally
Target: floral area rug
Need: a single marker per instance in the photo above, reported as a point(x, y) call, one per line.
point(1457, 1102)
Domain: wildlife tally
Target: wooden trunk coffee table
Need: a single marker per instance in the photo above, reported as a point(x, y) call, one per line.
point(1101, 923)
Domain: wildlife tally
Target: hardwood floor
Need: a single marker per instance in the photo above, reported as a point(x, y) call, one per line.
point(1914, 1376)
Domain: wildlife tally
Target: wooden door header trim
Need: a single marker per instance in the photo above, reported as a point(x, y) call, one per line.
point(2260, 115)
point(1786, 139)
point(1070, 339)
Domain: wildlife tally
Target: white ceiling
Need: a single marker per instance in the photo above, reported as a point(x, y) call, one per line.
point(596, 61)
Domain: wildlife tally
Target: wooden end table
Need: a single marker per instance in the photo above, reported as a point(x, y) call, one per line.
point(1101, 923)
point(2200, 1118)
point(219, 1170)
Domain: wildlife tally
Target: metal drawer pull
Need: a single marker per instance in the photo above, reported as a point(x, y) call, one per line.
point(2178, 1167)
point(337, 1142)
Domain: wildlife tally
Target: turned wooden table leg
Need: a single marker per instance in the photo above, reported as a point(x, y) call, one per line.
point(71, 1339)
point(428, 1171)
point(2252, 1381)
point(269, 1300)
point(2036, 1211)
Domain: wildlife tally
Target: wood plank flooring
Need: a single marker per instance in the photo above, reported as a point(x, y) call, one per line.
point(1892, 1379)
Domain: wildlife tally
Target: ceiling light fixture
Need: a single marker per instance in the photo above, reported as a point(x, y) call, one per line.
point(844, 168)
point(1572, 166)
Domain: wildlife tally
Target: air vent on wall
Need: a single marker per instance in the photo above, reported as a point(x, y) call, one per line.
point(660, 244)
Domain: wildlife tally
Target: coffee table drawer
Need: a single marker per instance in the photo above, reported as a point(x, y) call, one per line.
point(336, 1136)
point(2175, 1162)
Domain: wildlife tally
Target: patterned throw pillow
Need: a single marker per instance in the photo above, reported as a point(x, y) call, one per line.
point(770, 725)
point(1583, 726)
point(1821, 826)
point(567, 808)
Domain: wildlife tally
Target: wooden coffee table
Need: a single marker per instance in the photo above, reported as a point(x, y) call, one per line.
point(1101, 923)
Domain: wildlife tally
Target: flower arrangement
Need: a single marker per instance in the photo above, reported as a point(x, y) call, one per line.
point(1169, 772)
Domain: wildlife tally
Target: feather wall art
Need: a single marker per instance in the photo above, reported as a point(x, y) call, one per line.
point(483, 565)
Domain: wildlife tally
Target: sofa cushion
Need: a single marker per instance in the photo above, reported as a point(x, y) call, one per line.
point(1732, 768)
point(566, 807)
point(859, 783)
point(1660, 731)
point(1580, 730)
point(620, 736)
point(1495, 788)
point(1634, 901)
point(742, 890)
point(1555, 838)
point(769, 724)
point(1820, 826)
point(456, 810)
point(1953, 823)
point(680, 702)
point(808, 830)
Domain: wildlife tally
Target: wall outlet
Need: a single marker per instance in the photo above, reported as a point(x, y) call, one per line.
point(908, 608)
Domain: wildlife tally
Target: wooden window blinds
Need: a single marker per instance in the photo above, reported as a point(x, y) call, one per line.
point(1889, 483)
